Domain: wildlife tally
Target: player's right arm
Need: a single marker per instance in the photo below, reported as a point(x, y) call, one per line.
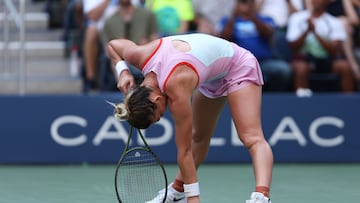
point(118, 51)
point(121, 49)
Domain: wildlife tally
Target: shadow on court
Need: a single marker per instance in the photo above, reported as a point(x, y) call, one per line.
point(223, 183)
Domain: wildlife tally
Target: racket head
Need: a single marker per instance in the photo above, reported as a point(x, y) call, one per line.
point(140, 176)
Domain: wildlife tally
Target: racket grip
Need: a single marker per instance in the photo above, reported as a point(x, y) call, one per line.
point(192, 190)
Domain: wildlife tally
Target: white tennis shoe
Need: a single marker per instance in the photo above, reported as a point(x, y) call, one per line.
point(257, 197)
point(173, 196)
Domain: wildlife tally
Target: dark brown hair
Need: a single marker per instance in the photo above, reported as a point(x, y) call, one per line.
point(137, 108)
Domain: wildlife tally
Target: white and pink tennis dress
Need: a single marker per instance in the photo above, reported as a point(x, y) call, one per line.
point(222, 67)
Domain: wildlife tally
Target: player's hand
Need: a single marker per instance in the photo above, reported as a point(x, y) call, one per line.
point(126, 82)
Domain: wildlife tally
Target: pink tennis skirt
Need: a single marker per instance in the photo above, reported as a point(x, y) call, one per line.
point(245, 70)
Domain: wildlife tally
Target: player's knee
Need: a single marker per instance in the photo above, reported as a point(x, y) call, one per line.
point(200, 138)
point(249, 140)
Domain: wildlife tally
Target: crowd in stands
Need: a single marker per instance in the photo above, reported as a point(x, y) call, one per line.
point(303, 46)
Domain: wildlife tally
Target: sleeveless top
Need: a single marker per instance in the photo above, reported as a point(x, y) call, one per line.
point(214, 60)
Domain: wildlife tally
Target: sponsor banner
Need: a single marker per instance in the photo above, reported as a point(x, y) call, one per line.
point(80, 128)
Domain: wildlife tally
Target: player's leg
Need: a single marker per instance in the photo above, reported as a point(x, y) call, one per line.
point(205, 116)
point(206, 113)
point(245, 107)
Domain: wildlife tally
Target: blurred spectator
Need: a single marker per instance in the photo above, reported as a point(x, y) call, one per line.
point(356, 37)
point(208, 15)
point(73, 25)
point(96, 11)
point(315, 37)
point(254, 32)
point(279, 11)
point(345, 11)
point(173, 16)
point(55, 10)
point(138, 3)
point(130, 22)
point(356, 3)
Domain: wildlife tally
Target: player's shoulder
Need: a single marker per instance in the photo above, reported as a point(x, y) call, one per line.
point(183, 75)
point(146, 51)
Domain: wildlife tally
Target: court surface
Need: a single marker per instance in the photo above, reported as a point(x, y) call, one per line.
point(224, 183)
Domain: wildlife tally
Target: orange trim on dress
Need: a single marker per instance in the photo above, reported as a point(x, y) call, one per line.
point(177, 65)
point(148, 59)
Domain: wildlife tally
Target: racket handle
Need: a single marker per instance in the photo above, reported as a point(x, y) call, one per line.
point(192, 190)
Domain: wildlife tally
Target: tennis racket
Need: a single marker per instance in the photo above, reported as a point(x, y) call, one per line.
point(139, 174)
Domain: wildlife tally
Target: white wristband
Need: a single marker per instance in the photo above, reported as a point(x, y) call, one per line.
point(120, 66)
point(192, 190)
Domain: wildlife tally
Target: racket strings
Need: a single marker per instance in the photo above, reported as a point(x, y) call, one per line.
point(140, 177)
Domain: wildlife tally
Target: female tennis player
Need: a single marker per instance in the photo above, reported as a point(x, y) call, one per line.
point(193, 76)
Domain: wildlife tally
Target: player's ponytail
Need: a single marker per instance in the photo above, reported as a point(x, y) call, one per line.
point(121, 112)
